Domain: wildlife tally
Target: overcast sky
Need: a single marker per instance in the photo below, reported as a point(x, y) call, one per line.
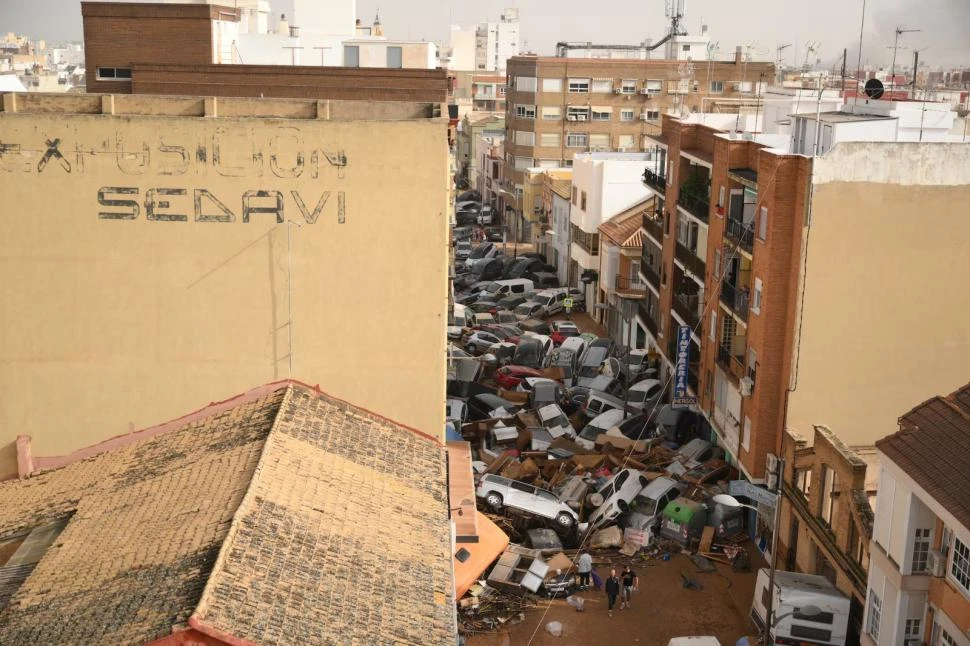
point(765, 24)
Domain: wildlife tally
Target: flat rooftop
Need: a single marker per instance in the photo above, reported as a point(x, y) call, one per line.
point(840, 117)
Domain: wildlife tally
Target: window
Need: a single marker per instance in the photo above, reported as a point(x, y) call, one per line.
point(628, 86)
point(960, 566)
point(803, 481)
point(552, 85)
point(525, 84)
point(875, 610)
point(653, 86)
point(462, 555)
point(578, 86)
point(747, 87)
point(577, 113)
point(395, 57)
point(946, 539)
point(525, 138)
point(351, 56)
point(582, 200)
point(651, 115)
point(575, 195)
point(521, 163)
point(627, 115)
point(625, 142)
point(855, 544)
point(746, 434)
point(599, 141)
point(602, 113)
point(603, 85)
point(827, 501)
point(763, 224)
point(551, 113)
point(717, 87)
point(720, 197)
point(114, 73)
point(577, 140)
point(752, 364)
point(756, 304)
point(921, 549)
point(681, 86)
point(550, 139)
point(685, 48)
point(941, 637)
point(525, 111)
point(913, 631)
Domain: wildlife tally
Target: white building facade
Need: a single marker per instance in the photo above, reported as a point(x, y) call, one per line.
point(497, 42)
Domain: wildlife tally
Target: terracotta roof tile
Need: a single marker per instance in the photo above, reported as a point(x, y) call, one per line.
point(933, 447)
point(293, 518)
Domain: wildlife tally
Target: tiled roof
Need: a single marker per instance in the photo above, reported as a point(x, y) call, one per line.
point(933, 447)
point(290, 518)
point(623, 229)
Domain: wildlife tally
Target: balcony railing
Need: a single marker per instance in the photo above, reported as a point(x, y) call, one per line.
point(654, 226)
point(740, 234)
point(648, 320)
point(736, 299)
point(731, 363)
point(632, 288)
point(688, 306)
point(693, 264)
point(696, 205)
point(651, 274)
point(655, 180)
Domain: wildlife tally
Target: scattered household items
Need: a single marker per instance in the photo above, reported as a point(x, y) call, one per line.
point(554, 628)
point(519, 567)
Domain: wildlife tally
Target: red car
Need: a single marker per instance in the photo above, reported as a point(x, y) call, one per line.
point(508, 377)
point(562, 330)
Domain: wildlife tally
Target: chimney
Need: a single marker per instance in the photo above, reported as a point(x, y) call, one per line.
point(738, 55)
point(703, 30)
point(283, 27)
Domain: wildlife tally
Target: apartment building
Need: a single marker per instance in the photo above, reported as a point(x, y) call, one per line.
point(554, 243)
point(801, 279)
point(825, 526)
point(474, 127)
point(620, 285)
point(919, 574)
point(558, 107)
point(603, 185)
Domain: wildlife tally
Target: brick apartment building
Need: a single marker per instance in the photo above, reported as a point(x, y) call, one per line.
point(557, 107)
point(802, 279)
point(186, 49)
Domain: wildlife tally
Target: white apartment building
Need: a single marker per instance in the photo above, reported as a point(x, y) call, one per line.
point(487, 46)
point(919, 568)
point(560, 237)
point(603, 185)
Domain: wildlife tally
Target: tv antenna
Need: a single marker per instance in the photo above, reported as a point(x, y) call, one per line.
point(811, 48)
point(892, 70)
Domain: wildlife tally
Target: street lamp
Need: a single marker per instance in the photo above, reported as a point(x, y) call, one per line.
point(730, 501)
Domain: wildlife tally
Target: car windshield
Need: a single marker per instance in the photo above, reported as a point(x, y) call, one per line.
point(524, 308)
point(635, 359)
point(590, 432)
point(491, 288)
point(637, 396)
point(594, 357)
point(559, 420)
point(543, 300)
point(568, 331)
point(526, 354)
point(644, 505)
point(479, 252)
point(459, 320)
point(546, 495)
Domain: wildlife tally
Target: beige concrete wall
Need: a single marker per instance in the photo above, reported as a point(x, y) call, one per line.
point(115, 324)
point(886, 295)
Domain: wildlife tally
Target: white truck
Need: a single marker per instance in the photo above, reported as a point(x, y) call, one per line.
point(794, 593)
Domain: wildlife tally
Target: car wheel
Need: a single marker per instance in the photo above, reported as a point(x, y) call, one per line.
point(564, 519)
point(494, 500)
point(471, 348)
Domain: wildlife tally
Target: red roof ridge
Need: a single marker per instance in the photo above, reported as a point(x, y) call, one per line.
point(28, 464)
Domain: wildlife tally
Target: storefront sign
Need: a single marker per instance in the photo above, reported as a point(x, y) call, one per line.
point(680, 372)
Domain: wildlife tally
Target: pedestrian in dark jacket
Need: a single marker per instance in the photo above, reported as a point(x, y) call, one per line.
point(612, 589)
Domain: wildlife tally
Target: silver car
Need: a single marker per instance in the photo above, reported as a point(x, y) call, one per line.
point(501, 492)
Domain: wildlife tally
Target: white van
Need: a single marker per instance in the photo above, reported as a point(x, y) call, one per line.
point(794, 590)
point(646, 508)
point(645, 394)
point(617, 495)
point(551, 301)
point(597, 426)
point(459, 321)
point(501, 288)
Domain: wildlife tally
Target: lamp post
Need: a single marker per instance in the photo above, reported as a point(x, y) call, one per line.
point(730, 501)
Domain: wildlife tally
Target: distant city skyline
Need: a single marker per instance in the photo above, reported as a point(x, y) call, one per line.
point(763, 25)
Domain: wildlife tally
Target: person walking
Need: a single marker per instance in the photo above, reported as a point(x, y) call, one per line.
point(612, 589)
point(584, 567)
point(630, 584)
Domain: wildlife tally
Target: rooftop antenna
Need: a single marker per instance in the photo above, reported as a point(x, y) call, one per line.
point(778, 51)
point(862, 24)
point(811, 48)
point(899, 32)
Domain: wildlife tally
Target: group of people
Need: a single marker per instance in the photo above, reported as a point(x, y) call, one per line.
point(622, 586)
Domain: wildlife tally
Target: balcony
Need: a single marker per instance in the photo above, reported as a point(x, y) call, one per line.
point(696, 205)
point(731, 363)
point(654, 226)
point(656, 181)
point(631, 288)
point(648, 320)
point(688, 307)
point(652, 275)
point(736, 299)
point(690, 260)
point(740, 234)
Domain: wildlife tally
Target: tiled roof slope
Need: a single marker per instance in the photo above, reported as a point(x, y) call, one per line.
point(150, 519)
point(292, 519)
point(933, 447)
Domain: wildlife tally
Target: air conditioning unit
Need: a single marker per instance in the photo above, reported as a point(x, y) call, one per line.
point(622, 149)
point(644, 91)
point(936, 563)
point(747, 385)
point(580, 117)
point(644, 116)
point(618, 90)
point(571, 117)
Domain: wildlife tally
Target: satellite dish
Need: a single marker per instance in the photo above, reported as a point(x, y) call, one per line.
point(873, 88)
